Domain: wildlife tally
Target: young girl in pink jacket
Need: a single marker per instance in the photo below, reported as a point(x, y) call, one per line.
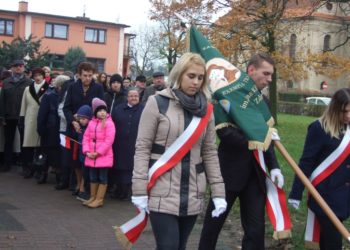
point(97, 146)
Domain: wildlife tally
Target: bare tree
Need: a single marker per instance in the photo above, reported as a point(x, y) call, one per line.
point(144, 50)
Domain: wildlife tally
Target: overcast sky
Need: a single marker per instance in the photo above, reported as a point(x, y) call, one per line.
point(130, 12)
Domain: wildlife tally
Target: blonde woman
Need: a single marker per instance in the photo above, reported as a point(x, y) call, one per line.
point(326, 161)
point(177, 196)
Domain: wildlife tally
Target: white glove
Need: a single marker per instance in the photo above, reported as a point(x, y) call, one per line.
point(275, 136)
point(294, 203)
point(220, 207)
point(141, 202)
point(276, 174)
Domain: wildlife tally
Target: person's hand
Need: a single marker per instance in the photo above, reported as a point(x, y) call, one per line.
point(141, 202)
point(277, 175)
point(76, 126)
point(91, 155)
point(220, 207)
point(294, 203)
point(275, 136)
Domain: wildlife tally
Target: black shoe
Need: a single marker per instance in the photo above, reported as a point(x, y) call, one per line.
point(28, 173)
point(61, 186)
point(42, 179)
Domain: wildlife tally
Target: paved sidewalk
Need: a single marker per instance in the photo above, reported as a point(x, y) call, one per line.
point(36, 216)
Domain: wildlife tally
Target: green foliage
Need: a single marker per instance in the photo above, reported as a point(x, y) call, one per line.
point(28, 49)
point(73, 57)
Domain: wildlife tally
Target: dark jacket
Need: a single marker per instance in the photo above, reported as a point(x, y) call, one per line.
point(80, 139)
point(114, 98)
point(48, 119)
point(11, 96)
point(126, 120)
point(335, 189)
point(150, 90)
point(75, 99)
point(238, 163)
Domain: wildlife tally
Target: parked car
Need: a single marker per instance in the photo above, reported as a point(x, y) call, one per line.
point(317, 100)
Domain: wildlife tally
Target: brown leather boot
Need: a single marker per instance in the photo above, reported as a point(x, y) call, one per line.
point(98, 202)
point(93, 192)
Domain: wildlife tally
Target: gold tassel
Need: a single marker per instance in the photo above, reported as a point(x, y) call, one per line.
point(312, 245)
point(286, 234)
point(122, 238)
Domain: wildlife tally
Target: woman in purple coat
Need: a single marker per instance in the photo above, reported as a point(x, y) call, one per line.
point(126, 117)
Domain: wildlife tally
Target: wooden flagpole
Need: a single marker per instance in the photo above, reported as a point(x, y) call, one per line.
point(337, 223)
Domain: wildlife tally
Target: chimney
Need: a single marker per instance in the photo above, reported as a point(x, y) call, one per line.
point(23, 6)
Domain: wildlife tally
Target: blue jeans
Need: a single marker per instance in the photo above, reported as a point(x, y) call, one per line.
point(99, 175)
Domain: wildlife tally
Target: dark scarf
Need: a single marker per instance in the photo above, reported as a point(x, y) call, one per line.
point(196, 105)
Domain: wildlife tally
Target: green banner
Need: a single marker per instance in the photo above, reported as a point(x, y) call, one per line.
point(236, 99)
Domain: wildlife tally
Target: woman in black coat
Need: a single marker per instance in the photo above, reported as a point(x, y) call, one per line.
point(326, 155)
point(49, 126)
point(126, 118)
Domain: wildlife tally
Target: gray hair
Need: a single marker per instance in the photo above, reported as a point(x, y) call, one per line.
point(59, 80)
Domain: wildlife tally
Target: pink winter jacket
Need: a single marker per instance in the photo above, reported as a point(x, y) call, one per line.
point(100, 140)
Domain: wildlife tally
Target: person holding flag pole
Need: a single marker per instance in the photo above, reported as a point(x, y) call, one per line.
point(244, 126)
point(326, 161)
point(175, 156)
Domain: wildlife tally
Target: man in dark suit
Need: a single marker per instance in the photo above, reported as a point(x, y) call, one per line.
point(243, 177)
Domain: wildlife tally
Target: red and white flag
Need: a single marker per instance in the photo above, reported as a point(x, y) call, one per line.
point(129, 232)
point(65, 141)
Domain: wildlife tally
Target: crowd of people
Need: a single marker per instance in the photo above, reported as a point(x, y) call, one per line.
point(156, 146)
point(60, 116)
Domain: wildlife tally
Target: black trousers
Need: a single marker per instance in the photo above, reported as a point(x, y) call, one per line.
point(252, 211)
point(171, 231)
point(330, 238)
point(9, 134)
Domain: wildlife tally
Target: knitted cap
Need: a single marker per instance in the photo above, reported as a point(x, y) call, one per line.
point(116, 78)
point(85, 111)
point(98, 104)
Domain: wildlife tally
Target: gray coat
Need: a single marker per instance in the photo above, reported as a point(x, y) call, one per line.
point(181, 190)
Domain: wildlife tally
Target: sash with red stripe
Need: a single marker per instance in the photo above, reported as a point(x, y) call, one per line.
point(276, 206)
point(129, 232)
point(325, 169)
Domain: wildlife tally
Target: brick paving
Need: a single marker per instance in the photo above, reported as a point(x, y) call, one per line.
point(36, 216)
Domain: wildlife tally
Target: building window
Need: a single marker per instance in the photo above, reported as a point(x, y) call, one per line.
point(54, 30)
point(95, 35)
point(292, 46)
point(6, 27)
point(326, 43)
point(99, 64)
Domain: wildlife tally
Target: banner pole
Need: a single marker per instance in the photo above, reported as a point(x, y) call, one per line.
point(320, 201)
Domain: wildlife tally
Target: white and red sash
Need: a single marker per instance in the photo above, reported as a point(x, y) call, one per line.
point(325, 169)
point(129, 232)
point(276, 206)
